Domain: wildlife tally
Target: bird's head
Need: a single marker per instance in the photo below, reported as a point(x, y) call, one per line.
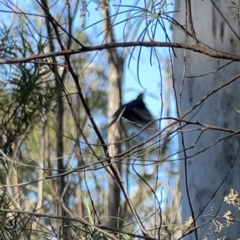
point(140, 96)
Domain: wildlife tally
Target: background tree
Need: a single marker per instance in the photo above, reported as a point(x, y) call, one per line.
point(115, 75)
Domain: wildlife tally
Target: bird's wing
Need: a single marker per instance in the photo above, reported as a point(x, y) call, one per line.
point(142, 115)
point(117, 115)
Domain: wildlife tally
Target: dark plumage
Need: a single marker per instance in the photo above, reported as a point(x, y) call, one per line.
point(134, 111)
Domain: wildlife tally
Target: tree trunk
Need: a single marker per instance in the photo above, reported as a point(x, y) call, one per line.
point(115, 63)
point(59, 132)
point(205, 174)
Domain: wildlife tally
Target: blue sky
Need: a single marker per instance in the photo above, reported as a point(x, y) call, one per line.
point(150, 77)
point(149, 74)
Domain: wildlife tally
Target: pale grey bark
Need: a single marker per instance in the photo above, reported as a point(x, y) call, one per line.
point(115, 64)
point(206, 170)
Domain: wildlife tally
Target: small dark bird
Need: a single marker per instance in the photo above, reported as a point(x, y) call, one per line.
point(135, 112)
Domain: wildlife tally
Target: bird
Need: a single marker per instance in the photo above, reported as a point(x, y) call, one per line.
point(135, 112)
